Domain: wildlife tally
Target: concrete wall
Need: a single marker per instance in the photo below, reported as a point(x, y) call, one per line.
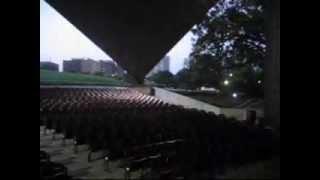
point(177, 99)
point(240, 114)
point(174, 98)
point(143, 89)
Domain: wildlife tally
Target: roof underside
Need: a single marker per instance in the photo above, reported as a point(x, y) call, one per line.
point(136, 34)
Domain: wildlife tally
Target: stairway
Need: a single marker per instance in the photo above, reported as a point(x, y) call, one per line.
point(77, 163)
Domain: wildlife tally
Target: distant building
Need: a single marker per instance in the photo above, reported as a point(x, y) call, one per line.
point(89, 66)
point(46, 65)
point(163, 65)
point(110, 68)
point(73, 66)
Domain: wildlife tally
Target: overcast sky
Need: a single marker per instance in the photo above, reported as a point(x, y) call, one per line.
point(60, 40)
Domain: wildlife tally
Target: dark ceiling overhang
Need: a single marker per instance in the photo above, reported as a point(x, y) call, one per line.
point(135, 33)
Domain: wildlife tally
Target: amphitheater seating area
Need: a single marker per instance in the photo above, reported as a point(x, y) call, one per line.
point(138, 135)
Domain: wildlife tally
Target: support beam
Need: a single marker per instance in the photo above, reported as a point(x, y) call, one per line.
point(272, 65)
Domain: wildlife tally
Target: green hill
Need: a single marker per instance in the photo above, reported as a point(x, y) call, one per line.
point(63, 78)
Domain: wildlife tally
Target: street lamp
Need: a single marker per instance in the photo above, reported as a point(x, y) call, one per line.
point(226, 82)
point(234, 95)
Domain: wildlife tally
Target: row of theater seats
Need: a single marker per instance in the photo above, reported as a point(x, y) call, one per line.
point(51, 170)
point(150, 133)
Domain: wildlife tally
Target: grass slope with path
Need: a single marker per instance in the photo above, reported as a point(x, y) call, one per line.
point(64, 78)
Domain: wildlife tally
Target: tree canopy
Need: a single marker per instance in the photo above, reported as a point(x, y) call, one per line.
point(230, 44)
point(164, 78)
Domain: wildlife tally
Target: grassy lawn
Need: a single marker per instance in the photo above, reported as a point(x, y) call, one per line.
point(63, 78)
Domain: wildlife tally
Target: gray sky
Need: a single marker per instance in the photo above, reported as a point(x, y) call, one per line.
point(61, 40)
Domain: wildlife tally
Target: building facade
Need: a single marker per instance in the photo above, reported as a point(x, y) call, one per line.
point(110, 68)
point(46, 65)
point(73, 66)
point(89, 66)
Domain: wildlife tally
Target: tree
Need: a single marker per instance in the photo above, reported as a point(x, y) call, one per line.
point(206, 71)
point(183, 79)
point(163, 77)
point(231, 39)
point(248, 80)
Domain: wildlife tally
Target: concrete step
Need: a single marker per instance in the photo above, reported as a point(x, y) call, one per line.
point(99, 155)
point(48, 132)
point(53, 152)
point(44, 144)
point(77, 163)
point(77, 170)
point(57, 142)
point(80, 157)
point(63, 159)
point(49, 144)
point(50, 136)
point(98, 170)
point(82, 148)
point(46, 139)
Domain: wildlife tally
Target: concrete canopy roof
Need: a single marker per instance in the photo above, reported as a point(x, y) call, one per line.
point(135, 33)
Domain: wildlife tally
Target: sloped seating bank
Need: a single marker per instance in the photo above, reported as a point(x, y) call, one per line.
point(147, 132)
